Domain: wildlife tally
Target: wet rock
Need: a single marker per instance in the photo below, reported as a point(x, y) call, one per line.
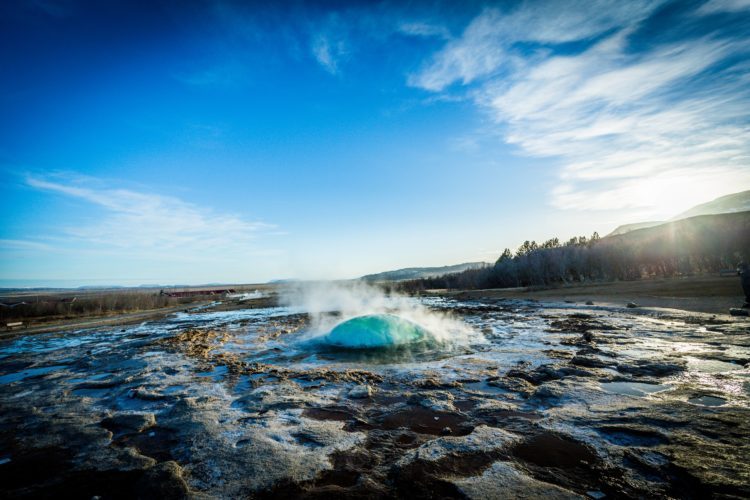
point(439, 401)
point(104, 384)
point(163, 481)
point(631, 305)
point(549, 449)
point(545, 373)
point(578, 323)
point(279, 422)
point(361, 392)
point(436, 383)
point(589, 303)
point(482, 439)
point(580, 316)
point(546, 392)
point(129, 422)
point(589, 362)
point(280, 395)
point(269, 453)
point(327, 434)
point(120, 459)
point(503, 480)
point(648, 368)
point(145, 394)
point(632, 435)
point(542, 374)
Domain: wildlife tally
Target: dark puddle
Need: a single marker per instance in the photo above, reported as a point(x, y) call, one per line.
point(91, 393)
point(414, 418)
point(339, 415)
point(303, 439)
point(551, 450)
point(217, 374)
point(29, 373)
point(425, 421)
point(465, 404)
point(632, 436)
point(633, 388)
point(707, 401)
point(156, 442)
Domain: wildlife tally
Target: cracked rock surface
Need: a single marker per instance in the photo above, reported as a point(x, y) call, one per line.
point(546, 400)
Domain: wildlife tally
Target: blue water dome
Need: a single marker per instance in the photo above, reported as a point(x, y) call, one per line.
point(376, 331)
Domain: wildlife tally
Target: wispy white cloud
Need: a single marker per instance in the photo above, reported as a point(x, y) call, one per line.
point(328, 51)
point(719, 6)
point(658, 128)
point(151, 224)
point(25, 245)
point(330, 39)
point(486, 44)
point(424, 29)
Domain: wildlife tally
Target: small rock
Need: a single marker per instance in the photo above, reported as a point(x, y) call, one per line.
point(736, 311)
point(589, 303)
point(361, 392)
point(632, 305)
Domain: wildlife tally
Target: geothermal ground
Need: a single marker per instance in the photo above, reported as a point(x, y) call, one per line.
point(550, 400)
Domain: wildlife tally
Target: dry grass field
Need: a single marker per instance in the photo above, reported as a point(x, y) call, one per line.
point(46, 307)
point(708, 294)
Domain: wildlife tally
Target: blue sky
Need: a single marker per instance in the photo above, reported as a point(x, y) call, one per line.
point(211, 141)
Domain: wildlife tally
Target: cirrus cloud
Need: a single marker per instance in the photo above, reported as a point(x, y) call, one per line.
point(151, 224)
point(654, 126)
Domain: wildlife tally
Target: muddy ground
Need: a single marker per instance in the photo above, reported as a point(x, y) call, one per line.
point(553, 400)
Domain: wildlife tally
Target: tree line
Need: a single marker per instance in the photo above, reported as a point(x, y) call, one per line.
point(692, 246)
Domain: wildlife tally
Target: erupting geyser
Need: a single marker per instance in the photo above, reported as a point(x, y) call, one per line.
point(376, 331)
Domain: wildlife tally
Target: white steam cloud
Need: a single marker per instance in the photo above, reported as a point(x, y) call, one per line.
point(332, 303)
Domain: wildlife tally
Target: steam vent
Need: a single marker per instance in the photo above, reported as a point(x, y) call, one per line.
point(376, 331)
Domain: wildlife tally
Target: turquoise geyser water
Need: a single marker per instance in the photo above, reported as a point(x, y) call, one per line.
point(376, 331)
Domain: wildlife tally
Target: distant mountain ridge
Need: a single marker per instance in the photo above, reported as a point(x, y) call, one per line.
point(626, 228)
point(731, 203)
point(411, 273)
point(737, 202)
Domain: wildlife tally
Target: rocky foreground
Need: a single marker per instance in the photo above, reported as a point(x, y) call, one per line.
point(557, 401)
